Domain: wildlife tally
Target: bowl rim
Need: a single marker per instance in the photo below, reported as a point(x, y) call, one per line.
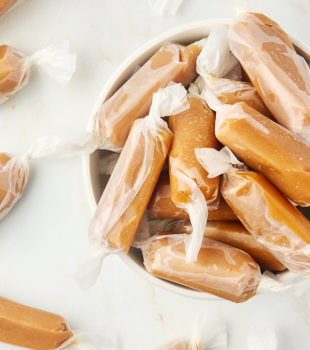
point(108, 89)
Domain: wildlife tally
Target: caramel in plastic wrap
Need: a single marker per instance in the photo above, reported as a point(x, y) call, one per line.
point(235, 234)
point(193, 128)
point(134, 177)
point(269, 148)
point(161, 206)
point(280, 75)
point(14, 174)
point(114, 118)
point(31, 328)
point(270, 218)
point(220, 269)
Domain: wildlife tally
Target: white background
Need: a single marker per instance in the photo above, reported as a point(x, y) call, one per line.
point(44, 239)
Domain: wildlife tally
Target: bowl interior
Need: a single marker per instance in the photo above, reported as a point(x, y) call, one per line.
point(96, 182)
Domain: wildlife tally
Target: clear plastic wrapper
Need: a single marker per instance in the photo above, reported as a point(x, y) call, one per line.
point(125, 198)
point(263, 210)
point(15, 67)
point(233, 233)
point(8, 5)
point(204, 335)
point(114, 118)
point(221, 270)
point(161, 205)
point(190, 187)
point(280, 75)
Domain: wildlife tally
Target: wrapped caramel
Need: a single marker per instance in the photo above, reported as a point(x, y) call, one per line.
point(161, 205)
point(134, 177)
point(220, 269)
point(114, 118)
point(190, 187)
point(15, 67)
point(32, 328)
point(8, 5)
point(280, 75)
point(262, 209)
point(233, 233)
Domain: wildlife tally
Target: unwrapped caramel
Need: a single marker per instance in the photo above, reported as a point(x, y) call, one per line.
point(193, 128)
point(31, 328)
point(270, 218)
point(269, 148)
point(13, 178)
point(161, 206)
point(220, 269)
point(280, 75)
point(115, 117)
point(235, 234)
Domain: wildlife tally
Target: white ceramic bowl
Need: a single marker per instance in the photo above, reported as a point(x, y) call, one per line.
point(95, 184)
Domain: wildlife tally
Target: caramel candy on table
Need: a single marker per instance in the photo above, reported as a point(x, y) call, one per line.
point(193, 128)
point(270, 218)
point(232, 91)
point(221, 270)
point(5, 5)
point(14, 74)
point(268, 148)
point(31, 328)
point(130, 187)
point(114, 118)
point(235, 234)
point(13, 178)
point(161, 206)
point(280, 75)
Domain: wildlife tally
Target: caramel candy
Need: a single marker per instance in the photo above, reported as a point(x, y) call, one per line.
point(114, 118)
point(220, 269)
point(235, 234)
point(31, 328)
point(232, 91)
point(13, 73)
point(269, 148)
point(280, 75)
point(270, 218)
point(161, 206)
point(5, 5)
point(193, 128)
point(13, 178)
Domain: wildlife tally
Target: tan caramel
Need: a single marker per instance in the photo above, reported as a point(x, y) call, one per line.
point(220, 269)
point(280, 76)
point(31, 328)
point(161, 206)
point(193, 128)
point(115, 117)
point(270, 218)
point(232, 91)
point(269, 148)
point(130, 187)
point(235, 234)
point(5, 5)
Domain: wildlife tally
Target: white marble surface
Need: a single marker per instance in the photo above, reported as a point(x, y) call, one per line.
point(44, 239)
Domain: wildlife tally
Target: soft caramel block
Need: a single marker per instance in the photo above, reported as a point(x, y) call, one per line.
point(280, 75)
point(115, 117)
point(232, 91)
point(236, 235)
point(31, 328)
point(13, 73)
point(161, 206)
point(270, 218)
point(220, 269)
point(193, 128)
point(5, 5)
point(13, 178)
point(130, 187)
point(267, 147)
